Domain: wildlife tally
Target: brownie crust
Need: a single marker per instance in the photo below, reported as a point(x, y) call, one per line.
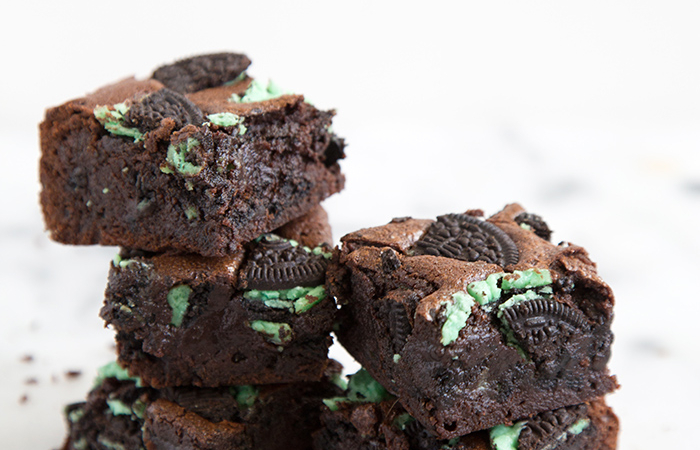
point(214, 340)
point(182, 182)
point(394, 304)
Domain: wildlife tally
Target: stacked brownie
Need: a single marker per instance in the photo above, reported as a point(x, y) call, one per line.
point(480, 334)
point(473, 333)
point(210, 182)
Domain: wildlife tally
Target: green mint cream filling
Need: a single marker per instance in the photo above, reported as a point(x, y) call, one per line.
point(274, 332)
point(297, 299)
point(505, 437)
point(245, 395)
point(176, 158)
point(362, 388)
point(178, 300)
point(114, 370)
point(259, 92)
point(112, 119)
point(456, 314)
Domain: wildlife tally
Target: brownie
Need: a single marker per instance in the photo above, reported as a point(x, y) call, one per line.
point(121, 413)
point(472, 323)
point(258, 316)
point(365, 420)
point(199, 158)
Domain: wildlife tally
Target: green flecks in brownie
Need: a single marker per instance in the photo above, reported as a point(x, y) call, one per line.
point(490, 289)
point(242, 76)
point(112, 119)
point(225, 119)
point(178, 299)
point(80, 444)
point(105, 191)
point(177, 158)
point(139, 408)
point(579, 426)
point(117, 261)
point(339, 381)
point(75, 415)
point(258, 92)
point(118, 407)
point(274, 332)
point(397, 358)
point(88, 203)
point(456, 314)
point(114, 370)
point(450, 444)
point(191, 213)
point(402, 420)
point(143, 204)
point(298, 299)
point(109, 445)
point(525, 226)
point(505, 437)
point(362, 388)
point(526, 279)
point(245, 395)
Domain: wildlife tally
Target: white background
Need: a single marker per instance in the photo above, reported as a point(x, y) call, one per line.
point(587, 113)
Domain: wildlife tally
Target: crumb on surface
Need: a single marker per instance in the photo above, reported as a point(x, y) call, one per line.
point(71, 374)
point(27, 358)
point(31, 380)
point(23, 399)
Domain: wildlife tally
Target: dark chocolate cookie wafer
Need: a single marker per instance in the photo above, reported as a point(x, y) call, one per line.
point(275, 264)
point(468, 238)
point(202, 72)
point(535, 223)
point(147, 114)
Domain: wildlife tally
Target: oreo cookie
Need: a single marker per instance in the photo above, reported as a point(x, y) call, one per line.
point(549, 429)
point(542, 327)
point(467, 238)
point(202, 72)
point(147, 114)
point(276, 264)
point(535, 223)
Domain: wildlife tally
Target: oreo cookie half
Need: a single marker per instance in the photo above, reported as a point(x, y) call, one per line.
point(548, 430)
point(544, 327)
point(202, 72)
point(536, 224)
point(467, 238)
point(276, 264)
point(147, 114)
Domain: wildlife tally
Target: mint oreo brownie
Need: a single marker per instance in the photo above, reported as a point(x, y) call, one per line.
point(261, 315)
point(473, 323)
point(368, 417)
point(198, 158)
point(120, 413)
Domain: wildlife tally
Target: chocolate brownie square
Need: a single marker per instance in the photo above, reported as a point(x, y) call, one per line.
point(368, 417)
point(120, 413)
point(473, 323)
point(258, 316)
point(198, 158)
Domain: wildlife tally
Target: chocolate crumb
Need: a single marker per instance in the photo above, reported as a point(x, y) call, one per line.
point(474, 212)
point(71, 374)
point(400, 219)
point(23, 399)
point(27, 358)
point(31, 380)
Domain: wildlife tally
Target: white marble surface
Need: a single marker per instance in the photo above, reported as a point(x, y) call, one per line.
point(585, 115)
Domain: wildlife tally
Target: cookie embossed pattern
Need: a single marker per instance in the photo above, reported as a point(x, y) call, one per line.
point(473, 323)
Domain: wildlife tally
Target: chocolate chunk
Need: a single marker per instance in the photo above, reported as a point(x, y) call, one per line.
point(202, 72)
point(147, 114)
point(390, 261)
point(276, 264)
point(334, 151)
point(467, 238)
point(542, 327)
point(536, 223)
point(548, 430)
